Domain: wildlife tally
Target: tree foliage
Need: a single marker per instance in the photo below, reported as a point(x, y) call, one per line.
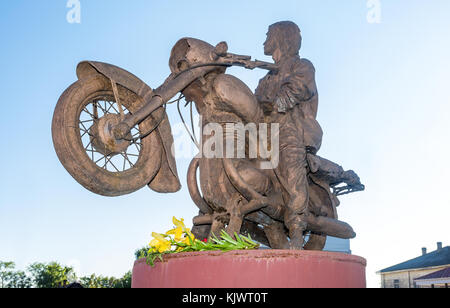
point(5, 272)
point(9, 278)
point(20, 280)
point(55, 275)
point(100, 282)
point(51, 275)
point(141, 253)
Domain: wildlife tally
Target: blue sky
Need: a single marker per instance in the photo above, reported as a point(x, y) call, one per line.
point(384, 108)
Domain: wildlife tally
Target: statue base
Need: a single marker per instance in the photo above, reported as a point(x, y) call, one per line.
point(252, 269)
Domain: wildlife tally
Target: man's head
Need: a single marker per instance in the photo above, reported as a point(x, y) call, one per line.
point(283, 38)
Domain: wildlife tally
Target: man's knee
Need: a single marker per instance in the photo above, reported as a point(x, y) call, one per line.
point(295, 221)
point(298, 204)
point(295, 210)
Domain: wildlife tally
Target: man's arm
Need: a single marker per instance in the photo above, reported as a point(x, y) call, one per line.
point(297, 87)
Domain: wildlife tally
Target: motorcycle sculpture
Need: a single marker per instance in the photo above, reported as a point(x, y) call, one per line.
point(112, 134)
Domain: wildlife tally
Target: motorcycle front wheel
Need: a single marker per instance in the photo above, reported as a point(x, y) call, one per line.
point(85, 147)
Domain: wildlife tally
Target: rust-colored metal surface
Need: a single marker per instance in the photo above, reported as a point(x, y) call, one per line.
point(253, 269)
point(112, 134)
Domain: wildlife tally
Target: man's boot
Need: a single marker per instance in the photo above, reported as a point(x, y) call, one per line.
point(297, 228)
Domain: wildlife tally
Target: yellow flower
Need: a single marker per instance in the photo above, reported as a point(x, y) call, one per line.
point(185, 241)
point(180, 228)
point(188, 241)
point(177, 232)
point(159, 243)
point(189, 234)
point(178, 223)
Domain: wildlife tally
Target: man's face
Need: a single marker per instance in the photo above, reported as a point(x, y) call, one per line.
point(269, 44)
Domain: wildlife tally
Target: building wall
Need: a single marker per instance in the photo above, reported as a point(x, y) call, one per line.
point(406, 278)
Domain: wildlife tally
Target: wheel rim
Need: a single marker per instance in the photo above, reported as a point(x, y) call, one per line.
point(99, 111)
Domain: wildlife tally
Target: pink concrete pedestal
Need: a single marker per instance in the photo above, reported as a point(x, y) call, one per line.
point(253, 269)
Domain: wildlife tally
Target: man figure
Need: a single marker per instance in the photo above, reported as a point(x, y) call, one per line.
point(289, 97)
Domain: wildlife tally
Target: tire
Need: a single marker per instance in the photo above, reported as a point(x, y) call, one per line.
point(70, 141)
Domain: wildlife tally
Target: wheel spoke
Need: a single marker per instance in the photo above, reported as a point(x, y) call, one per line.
point(112, 106)
point(84, 127)
point(101, 108)
point(109, 160)
point(137, 134)
point(134, 155)
point(95, 110)
point(104, 157)
point(90, 144)
point(86, 121)
point(109, 108)
point(126, 157)
point(93, 152)
point(90, 114)
point(135, 144)
point(105, 166)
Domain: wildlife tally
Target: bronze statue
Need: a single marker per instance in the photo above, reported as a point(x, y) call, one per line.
point(112, 134)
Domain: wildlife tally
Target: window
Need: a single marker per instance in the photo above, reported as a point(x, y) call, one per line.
point(396, 284)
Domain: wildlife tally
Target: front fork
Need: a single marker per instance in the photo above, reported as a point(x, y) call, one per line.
point(156, 99)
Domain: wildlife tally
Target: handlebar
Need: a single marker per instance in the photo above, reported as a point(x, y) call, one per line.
point(176, 83)
point(221, 55)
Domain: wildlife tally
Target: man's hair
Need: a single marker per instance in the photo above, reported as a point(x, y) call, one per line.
point(288, 36)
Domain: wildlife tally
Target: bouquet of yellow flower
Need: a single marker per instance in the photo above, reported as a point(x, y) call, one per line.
point(180, 239)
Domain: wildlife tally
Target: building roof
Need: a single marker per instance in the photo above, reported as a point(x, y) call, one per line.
point(445, 273)
point(436, 258)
